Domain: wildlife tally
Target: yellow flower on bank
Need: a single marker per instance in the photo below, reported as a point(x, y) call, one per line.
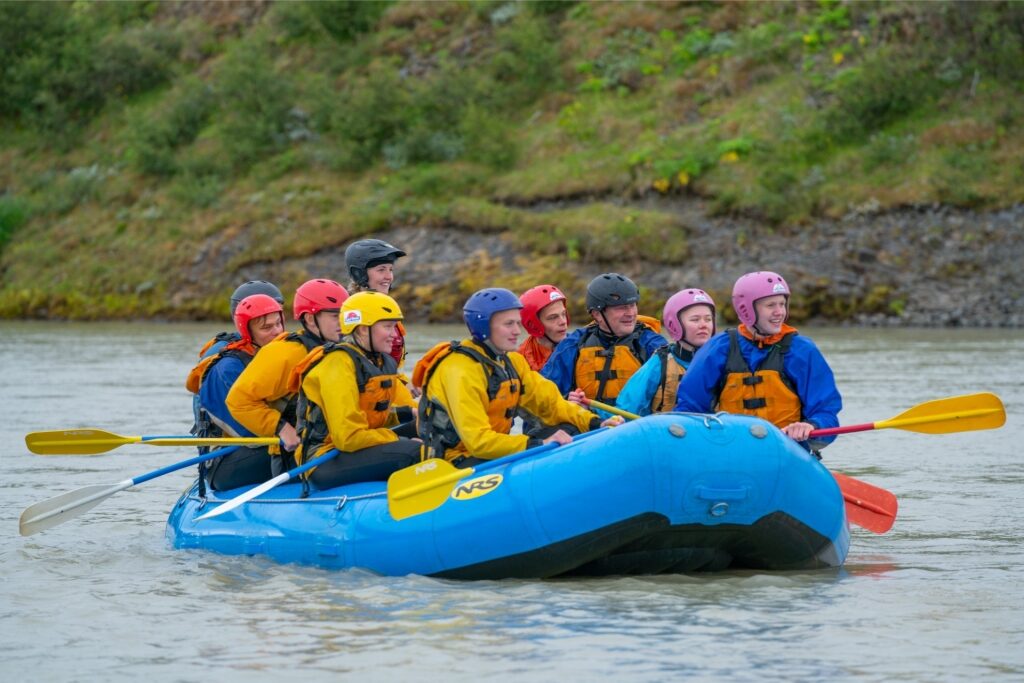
point(729, 158)
point(661, 185)
point(837, 58)
point(683, 178)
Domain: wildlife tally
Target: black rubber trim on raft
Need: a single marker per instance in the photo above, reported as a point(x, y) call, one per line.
point(562, 557)
point(646, 544)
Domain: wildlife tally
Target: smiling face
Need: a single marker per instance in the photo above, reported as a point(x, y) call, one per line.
point(505, 330)
point(380, 277)
point(698, 323)
point(620, 319)
point(555, 320)
point(378, 337)
point(771, 313)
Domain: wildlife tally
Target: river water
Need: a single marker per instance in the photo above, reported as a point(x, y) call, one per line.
point(102, 597)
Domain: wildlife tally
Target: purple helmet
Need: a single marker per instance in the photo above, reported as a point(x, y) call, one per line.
point(679, 302)
point(753, 286)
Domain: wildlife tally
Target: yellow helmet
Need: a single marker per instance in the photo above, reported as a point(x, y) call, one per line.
point(367, 308)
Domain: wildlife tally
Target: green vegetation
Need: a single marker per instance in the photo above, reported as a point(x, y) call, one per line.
point(151, 150)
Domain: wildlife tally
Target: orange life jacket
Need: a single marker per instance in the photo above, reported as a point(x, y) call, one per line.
point(535, 353)
point(377, 385)
point(504, 388)
point(665, 396)
point(767, 392)
point(602, 371)
point(237, 349)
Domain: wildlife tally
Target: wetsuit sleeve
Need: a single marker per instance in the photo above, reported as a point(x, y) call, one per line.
point(816, 387)
point(561, 365)
point(261, 383)
point(347, 425)
point(636, 396)
point(697, 390)
point(213, 393)
point(462, 385)
point(542, 399)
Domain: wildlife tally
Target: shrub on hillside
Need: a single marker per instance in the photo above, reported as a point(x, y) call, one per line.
point(156, 134)
point(64, 61)
point(14, 212)
point(254, 102)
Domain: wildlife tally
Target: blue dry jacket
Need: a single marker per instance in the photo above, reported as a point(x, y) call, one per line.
point(222, 340)
point(803, 365)
point(639, 391)
point(213, 392)
point(561, 365)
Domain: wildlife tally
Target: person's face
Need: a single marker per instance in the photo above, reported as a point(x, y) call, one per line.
point(698, 324)
point(381, 277)
point(328, 323)
point(505, 330)
point(771, 313)
point(555, 320)
point(621, 319)
point(383, 335)
point(265, 328)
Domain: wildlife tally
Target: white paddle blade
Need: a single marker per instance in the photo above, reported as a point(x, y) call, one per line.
point(245, 497)
point(60, 509)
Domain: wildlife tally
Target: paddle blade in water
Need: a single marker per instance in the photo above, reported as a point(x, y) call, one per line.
point(60, 509)
point(867, 505)
point(422, 487)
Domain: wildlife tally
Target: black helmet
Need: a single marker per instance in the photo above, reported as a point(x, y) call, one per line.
point(611, 289)
point(255, 287)
point(365, 254)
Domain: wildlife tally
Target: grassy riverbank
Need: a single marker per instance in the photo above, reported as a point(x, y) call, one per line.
point(154, 154)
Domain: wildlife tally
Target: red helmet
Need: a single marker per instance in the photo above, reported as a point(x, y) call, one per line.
point(533, 301)
point(318, 295)
point(250, 308)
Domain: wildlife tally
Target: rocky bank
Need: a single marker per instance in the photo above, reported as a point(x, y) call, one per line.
point(925, 266)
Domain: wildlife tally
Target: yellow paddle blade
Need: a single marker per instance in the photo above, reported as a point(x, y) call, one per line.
point(954, 414)
point(94, 441)
point(76, 442)
point(422, 487)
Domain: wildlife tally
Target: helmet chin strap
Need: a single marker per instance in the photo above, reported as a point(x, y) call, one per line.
point(318, 334)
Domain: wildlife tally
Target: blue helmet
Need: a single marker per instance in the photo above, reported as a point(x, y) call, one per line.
point(482, 305)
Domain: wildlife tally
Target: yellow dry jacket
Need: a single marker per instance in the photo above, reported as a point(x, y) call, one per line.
point(470, 397)
point(260, 398)
point(347, 399)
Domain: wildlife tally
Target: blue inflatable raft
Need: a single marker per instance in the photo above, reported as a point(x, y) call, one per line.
point(663, 494)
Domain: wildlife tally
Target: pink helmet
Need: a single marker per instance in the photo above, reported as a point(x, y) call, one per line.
point(534, 300)
point(753, 286)
point(250, 308)
point(679, 302)
point(318, 295)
